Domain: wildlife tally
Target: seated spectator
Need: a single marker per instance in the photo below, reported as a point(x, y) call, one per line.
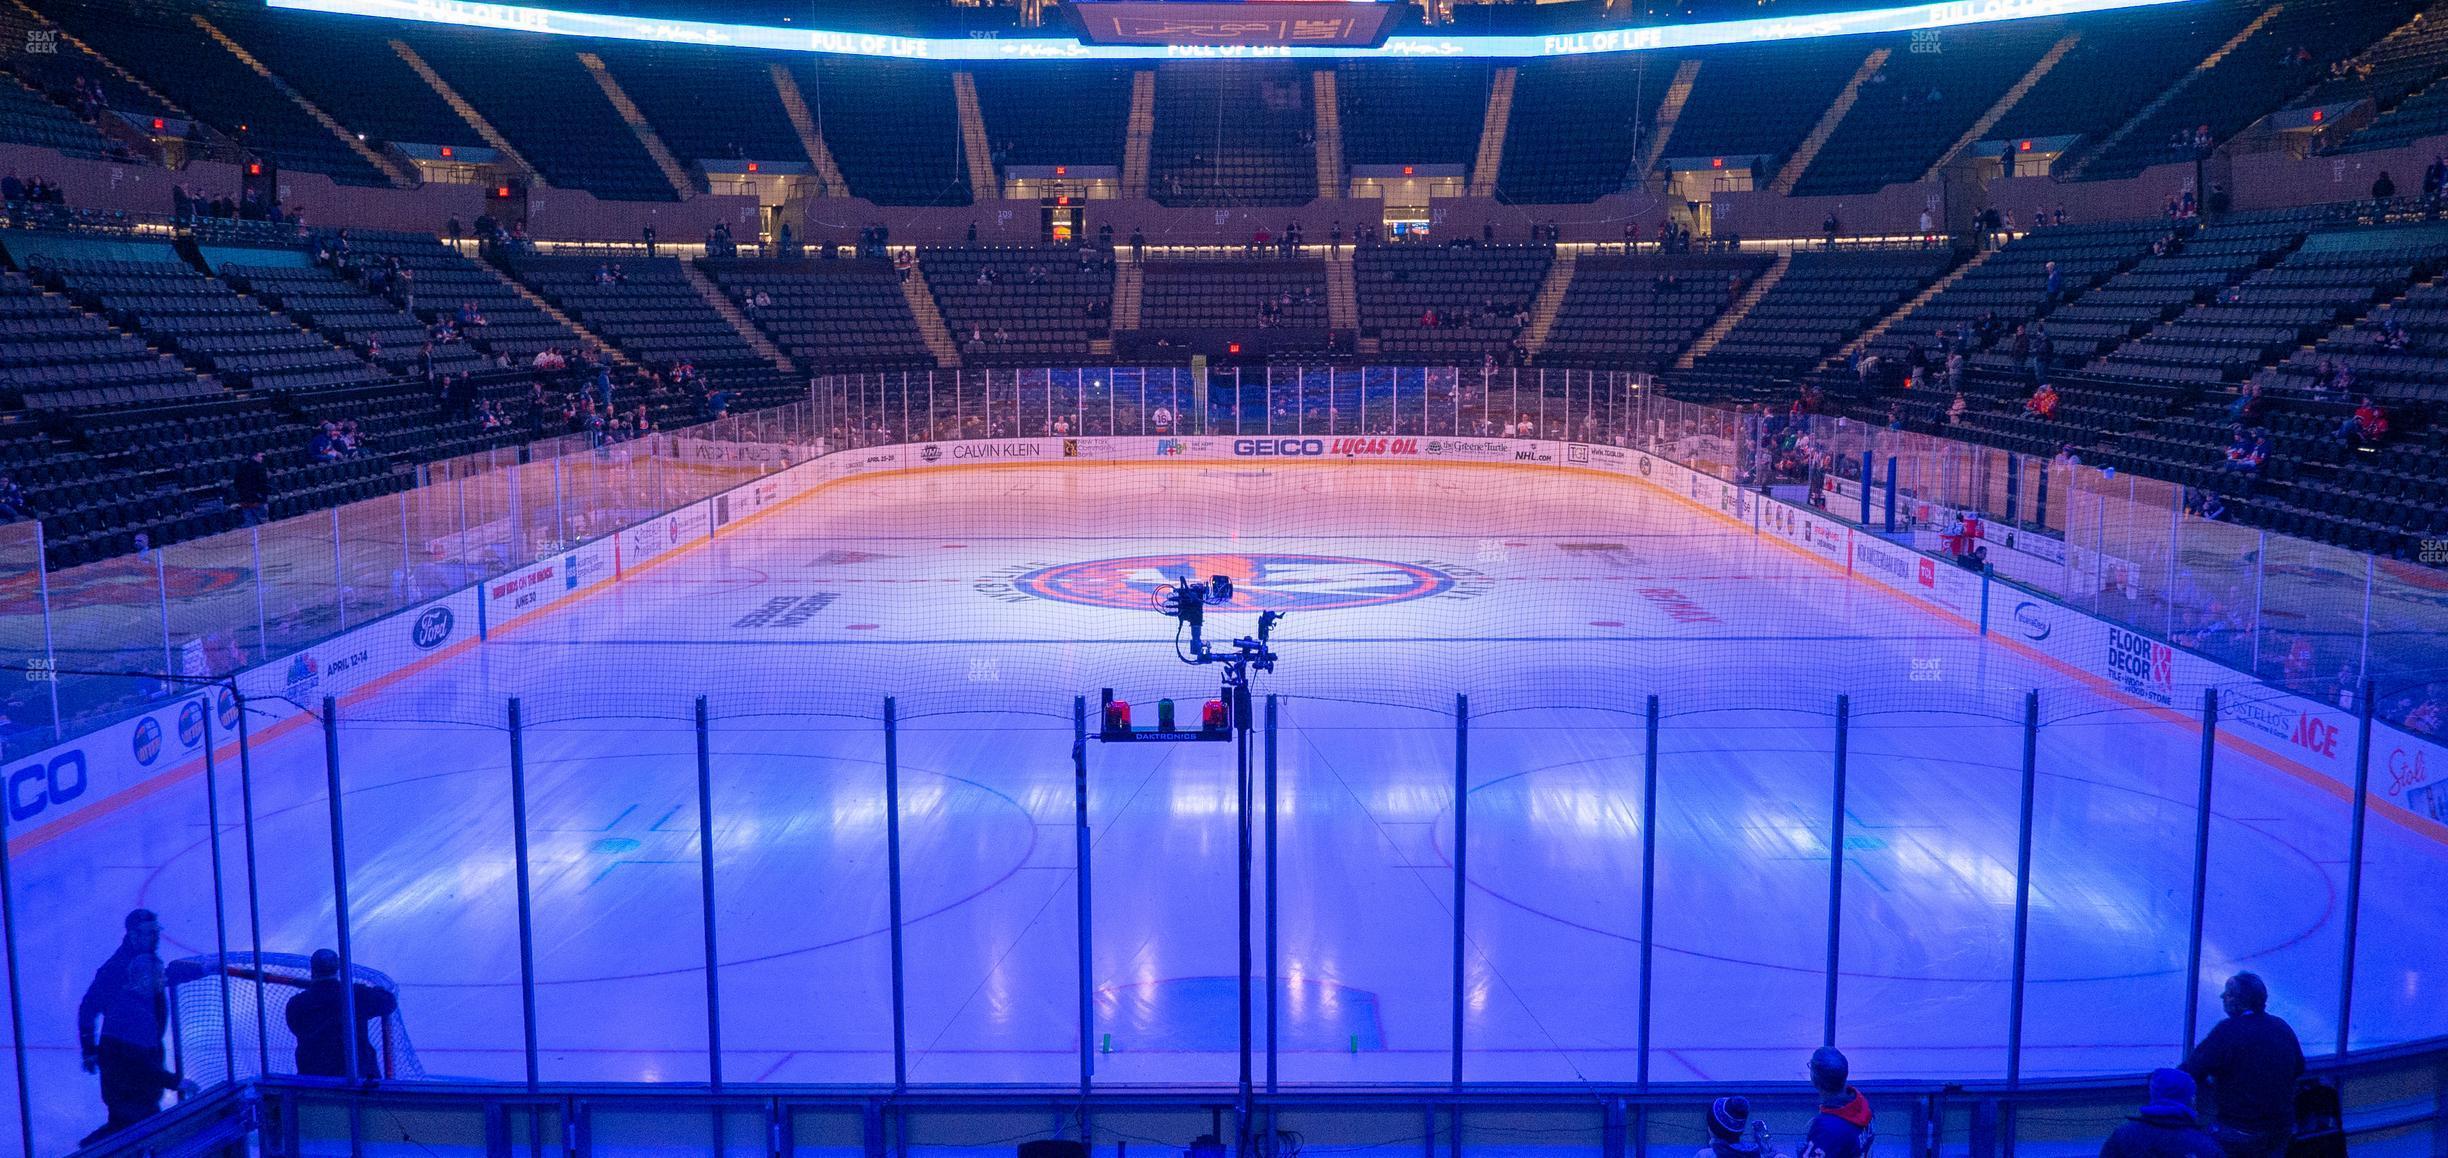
point(2365, 429)
point(2247, 407)
point(1842, 1127)
point(325, 445)
point(2165, 1127)
point(2043, 403)
point(1955, 410)
point(13, 505)
point(2244, 453)
point(1732, 1133)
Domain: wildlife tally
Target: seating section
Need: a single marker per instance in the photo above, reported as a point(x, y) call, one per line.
point(1016, 305)
point(163, 45)
point(2404, 62)
point(1642, 312)
point(56, 356)
point(1823, 301)
point(321, 300)
point(2333, 278)
point(27, 118)
point(1055, 114)
point(1579, 126)
point(55, 72)
point(1929, 92)
point(645, 306)
point(537, 94)
point(2010, 287)
point(830, 315)
point(1411, 112)
point(2124, 60)
point(1233, 133)
point(2192, 270)
point(1233, 296)
point(450, 280)
point(1479, 298)
point(1759, 102)
point(2289, 53)
point(706, 103)
point(346, 66)
point(892, 126)
point(207, 324)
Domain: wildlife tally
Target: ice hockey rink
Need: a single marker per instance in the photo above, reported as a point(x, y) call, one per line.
point(986, 599)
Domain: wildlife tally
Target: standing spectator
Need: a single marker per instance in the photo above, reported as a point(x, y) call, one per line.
point(316, 1017)
point(2251, 1060)
point(1829, 227)
point(251, 488)
point(2383, 189)
point(2165, 1126)
point(1842, 1128)
point(120, 1025)
point(648, 233)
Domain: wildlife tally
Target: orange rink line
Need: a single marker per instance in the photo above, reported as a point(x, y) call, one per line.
point(186, 770)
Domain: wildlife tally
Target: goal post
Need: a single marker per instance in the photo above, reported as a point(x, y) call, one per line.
point(213, 1041)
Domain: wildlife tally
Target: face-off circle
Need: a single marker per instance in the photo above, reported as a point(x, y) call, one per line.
point(1260, 582)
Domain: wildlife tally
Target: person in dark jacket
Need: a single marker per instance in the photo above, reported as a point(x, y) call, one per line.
point(1842, 1127)
point(2165, 1126)
point(2252, 1062)
point(315, 1017)
point(251, 488)
point(120, 1024)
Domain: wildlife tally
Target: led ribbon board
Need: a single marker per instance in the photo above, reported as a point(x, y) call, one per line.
point(1913, 18)
point(1236, 23)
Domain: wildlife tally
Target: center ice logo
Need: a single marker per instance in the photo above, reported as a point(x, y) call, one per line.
point(1261, 582)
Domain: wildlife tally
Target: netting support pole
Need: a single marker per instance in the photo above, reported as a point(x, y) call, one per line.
point(2354, 860)
point(2022, 905)
point(705, 884)
point(2201, 866)
point(1648, 893)
point(212, 829)
point(352, 1066)
point(246, 822)
point(1836, 844)
point(1891, 494)
point(16, 988)
point(1079, 836)
point(892, 888)
point(526, 907)
point(1461, 868)
point(1273, 798)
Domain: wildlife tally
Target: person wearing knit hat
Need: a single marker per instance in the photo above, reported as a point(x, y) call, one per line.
point(2165, 1126)
point(1732, 1133)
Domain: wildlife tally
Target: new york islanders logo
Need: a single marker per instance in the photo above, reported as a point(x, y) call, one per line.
point(1260, 582)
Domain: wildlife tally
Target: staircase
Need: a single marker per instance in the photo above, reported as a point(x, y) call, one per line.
point(828, 175)
point(467, 112)
point(1808, 150)
point(399, 176)
point(1342, 294)
point(1734, 315)
point(730, 311)
point(2169, 93)
point(2012, 97)
point(1550, 299)
point(1127, 280)
point(1670, 110)
point(930, 320)
point(1142, 130)
point(975, 148)
point(1904, 311)
point(673, 171)
point(1485, 167)
point(1329, 135)
point(611, 352)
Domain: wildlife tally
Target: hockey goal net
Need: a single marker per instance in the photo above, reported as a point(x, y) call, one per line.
point(213, 1040)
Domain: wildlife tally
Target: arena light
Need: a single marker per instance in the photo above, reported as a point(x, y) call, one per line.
point(1907, 18)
